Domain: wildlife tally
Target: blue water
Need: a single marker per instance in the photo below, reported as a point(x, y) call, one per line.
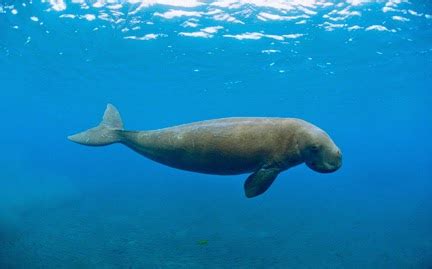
point(361, 70)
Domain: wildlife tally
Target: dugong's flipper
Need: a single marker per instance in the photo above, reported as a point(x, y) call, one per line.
point(107, 132)
point(260, 181)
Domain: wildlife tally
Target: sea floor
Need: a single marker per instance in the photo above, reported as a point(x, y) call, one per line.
point(52, 221)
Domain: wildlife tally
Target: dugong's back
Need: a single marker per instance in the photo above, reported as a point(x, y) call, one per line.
point(222, 146)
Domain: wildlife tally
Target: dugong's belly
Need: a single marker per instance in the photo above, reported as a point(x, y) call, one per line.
point(226, 146)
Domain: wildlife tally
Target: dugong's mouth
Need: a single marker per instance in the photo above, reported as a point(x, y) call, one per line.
point(325, 168)
point(330, 170)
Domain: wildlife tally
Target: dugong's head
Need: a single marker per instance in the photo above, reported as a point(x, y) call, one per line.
point(318, 150)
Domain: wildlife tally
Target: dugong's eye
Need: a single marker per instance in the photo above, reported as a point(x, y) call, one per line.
point(314, 148)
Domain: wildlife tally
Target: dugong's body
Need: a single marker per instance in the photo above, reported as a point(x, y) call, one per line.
point(261, 146)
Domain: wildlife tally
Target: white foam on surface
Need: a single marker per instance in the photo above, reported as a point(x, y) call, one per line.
point(414, 13)
point(69, 16)
point(264, 16)
point(380, 28)
point(251, 36)
point(115, 6)
point(293, 36)
point(206, 32)
point(127, 16)
point(177, 13)
point(190, 23)
point(400, 18)
point(145, 37)
point(212, 29)
point(196, 34)
point(89, 17)
point(270, 51)
point(354, 27)
point(58, 5)
point(329, 26)
point(257, 35)
point(226, 17)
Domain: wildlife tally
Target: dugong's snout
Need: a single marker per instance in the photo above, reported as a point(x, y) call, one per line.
point(334, 162)
point(330, 163)
point(319, 151)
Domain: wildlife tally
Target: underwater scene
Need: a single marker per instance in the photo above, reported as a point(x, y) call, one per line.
point(223, 134)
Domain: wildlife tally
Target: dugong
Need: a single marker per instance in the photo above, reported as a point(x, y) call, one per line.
point(263, 147)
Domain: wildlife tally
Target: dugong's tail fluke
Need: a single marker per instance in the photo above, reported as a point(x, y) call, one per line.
point(107, 132)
